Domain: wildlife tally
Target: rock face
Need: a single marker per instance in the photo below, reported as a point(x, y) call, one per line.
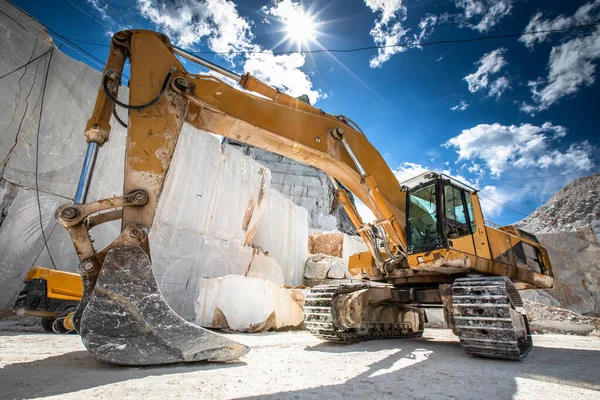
point(215, 212)
point(568, 227)
point(573, 207)
point(304, 185)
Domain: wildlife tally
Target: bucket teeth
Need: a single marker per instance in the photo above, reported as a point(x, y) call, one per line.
point(127, 321)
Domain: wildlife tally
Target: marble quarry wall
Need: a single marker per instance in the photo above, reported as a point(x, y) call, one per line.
point(217, 215)
point(306, 186)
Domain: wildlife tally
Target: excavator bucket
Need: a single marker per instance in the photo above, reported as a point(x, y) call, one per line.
point(127, 321)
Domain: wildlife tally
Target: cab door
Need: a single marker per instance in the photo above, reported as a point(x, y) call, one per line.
point(458, 228)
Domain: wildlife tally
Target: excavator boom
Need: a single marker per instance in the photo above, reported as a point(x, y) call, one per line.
point(122, 317)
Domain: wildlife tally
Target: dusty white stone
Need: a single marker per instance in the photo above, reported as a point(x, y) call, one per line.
point(283, 231)
point(246, 304)
point(337, 270)
point(265, 267)
point(318, 267)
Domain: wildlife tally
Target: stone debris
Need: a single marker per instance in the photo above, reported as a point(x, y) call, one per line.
point(336, 244)
point(321, 268)
point(247, 304)
point(548, 319)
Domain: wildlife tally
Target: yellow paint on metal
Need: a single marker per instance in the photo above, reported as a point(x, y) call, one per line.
point(60, 284)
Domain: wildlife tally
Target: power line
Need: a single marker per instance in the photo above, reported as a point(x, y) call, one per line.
point(499, 182)
point(83, 11)
point(416, 44)
point(67, 41)
point(26, 64)
point(502, 205)
point(37, 152)
point(118, 12)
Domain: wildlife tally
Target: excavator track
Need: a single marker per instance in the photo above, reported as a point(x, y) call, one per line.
point(319, 320)
point(489, 318)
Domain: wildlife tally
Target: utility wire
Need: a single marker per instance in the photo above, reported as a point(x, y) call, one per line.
point(26, 64)
point(37, 152)
point(119, 12)
point(502, 205)
point(83, 11)
point(416, 44)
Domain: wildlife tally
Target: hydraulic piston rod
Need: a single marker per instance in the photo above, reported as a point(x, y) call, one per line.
point(86, 172)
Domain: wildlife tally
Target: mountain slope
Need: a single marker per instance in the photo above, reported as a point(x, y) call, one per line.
point(568, 226)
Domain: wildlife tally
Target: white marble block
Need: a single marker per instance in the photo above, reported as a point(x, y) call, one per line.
point(247, 304)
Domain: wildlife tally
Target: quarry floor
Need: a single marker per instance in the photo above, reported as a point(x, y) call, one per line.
point(295, 365)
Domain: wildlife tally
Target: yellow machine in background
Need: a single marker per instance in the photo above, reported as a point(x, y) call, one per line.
point(429, 246)
point(52, 295)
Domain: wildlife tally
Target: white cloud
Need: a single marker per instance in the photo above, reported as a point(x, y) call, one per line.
point(462, 106)
point(489, 64)
point(500, 147)
point(586, 14)
point(282, 71)
point(571, 65)
point(492, 200)
point(482, 15)
point(100, 9)
point(408, 170)
point(218, 24)
point(389, 29)
point(365, 212)
point(498, 87)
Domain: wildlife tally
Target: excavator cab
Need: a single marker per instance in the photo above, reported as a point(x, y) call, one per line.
point(438, 210)
point(446, 232)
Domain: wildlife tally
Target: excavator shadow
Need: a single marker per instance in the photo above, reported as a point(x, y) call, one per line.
point(79, 370)
point(377, 345)
point(421, 368)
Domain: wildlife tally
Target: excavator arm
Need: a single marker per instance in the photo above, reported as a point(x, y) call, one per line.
point(122, 317)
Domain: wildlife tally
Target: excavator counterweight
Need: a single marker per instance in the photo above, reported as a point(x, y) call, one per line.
point(429, 246)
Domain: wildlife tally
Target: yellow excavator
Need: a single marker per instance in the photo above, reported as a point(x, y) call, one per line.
point(428, 247)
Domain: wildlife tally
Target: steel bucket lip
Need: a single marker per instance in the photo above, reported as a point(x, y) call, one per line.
point(127, 321)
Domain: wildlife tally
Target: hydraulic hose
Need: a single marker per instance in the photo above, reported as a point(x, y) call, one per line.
point(136, 107)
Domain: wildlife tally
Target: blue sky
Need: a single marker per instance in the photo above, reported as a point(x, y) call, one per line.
point(516, 117)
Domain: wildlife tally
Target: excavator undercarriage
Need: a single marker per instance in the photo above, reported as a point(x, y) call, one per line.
point(486, 313)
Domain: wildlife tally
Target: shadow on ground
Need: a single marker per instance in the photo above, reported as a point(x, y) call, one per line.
point(425, 369)
point(79, 370)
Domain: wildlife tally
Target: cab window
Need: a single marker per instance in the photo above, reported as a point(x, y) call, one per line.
point(470, 211)
point(422, 218)
point(456, 217)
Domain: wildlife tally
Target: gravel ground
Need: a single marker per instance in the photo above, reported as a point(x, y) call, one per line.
point(295, 365)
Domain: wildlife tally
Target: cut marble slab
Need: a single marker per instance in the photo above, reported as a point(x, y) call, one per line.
point(247, 304)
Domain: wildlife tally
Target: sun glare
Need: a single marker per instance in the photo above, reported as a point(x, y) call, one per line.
point(300, 27)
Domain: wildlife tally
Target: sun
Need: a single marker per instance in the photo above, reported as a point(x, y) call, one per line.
point(300, 27)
